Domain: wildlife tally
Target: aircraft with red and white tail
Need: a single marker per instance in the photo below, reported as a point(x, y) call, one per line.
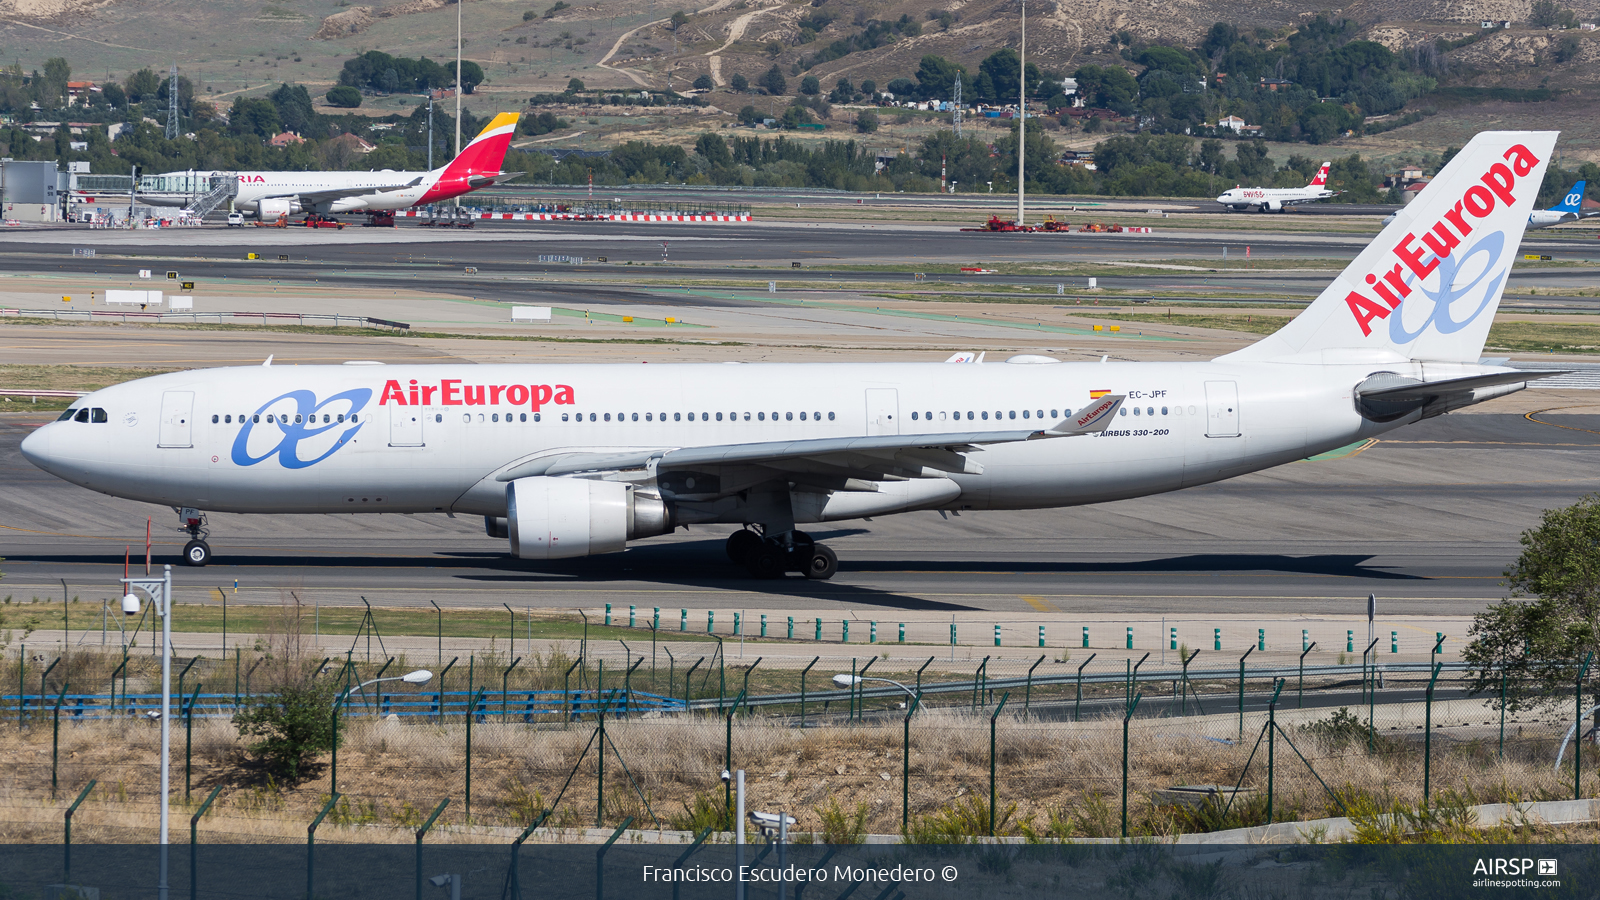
point(1275, 199)
point(572, 460)
point(272, 194)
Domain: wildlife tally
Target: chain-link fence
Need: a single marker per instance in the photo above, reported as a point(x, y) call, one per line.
point(936, 749)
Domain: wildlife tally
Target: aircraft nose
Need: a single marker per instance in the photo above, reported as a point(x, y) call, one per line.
point(36, 447)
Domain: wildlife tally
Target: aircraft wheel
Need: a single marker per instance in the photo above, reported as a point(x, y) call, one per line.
point(196, 553)
point(741, 545)
point(766, 561)
point(823, 563)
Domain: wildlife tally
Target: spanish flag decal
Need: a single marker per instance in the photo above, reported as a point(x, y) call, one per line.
point(1096, 395)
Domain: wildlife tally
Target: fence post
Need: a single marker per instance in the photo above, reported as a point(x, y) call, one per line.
point(727, 758)
point(1078, 703)
point(1577, 725)
point(1272, 728)
point(194, 841)
point(311, 841)
point(503, 681)
point(1502, 710)
point(1241, 691)
point(421, 833)
point(1132, 707)
point(1027, 698)
point(1427, 739)
point(1300, 688)
point(55, 741)
point(905, 769)
point(188, 740)
point(473, 701)
point(600, 855)
point(992, 720)
point(1371, 692)
point(687, 678)
point(803, 692)
point(66, 863)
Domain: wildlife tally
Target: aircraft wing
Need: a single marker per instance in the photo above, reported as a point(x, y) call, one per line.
point(874, 457)
point(308, 198)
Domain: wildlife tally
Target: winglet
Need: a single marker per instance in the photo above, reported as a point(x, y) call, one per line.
point(1089, 420)
point(269, 360)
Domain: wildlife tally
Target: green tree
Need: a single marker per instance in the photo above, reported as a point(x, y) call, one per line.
point(866, 121)
point(344, 96)
point(1540, 635)
point(295, 108)
point(142, 85)
point(810, 86)
point(679, 19)
point(56, 75)
point(774, 82)
point(704, 83)
point(749, 116)
point(290, 726)
point(713, 149)
point(575, 86)
point(739, 82)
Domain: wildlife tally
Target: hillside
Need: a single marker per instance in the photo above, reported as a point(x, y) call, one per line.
point(231, 46)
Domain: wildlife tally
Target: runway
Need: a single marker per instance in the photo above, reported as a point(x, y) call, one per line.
point(1427, 518)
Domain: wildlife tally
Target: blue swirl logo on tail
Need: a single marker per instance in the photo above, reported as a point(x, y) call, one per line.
point(301, 425)
point(1447, 293)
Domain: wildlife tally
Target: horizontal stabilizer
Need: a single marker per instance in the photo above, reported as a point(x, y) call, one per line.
point(1392, 390)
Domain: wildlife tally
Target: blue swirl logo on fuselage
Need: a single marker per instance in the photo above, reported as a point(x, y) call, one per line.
point(302, 425)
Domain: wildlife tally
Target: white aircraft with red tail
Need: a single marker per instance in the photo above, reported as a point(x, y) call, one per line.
point(573, 460)
point(1275, 199)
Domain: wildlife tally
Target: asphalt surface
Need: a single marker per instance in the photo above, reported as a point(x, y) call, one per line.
point(506, 257)
point(1427, 519)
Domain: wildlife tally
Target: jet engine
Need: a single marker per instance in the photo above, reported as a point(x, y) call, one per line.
point(267, 210)
point(560, 518)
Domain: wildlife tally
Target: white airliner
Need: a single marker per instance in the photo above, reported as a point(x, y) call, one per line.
point(572, 460)
point(273, 194)
point(1570, 209)
point(1275, 199)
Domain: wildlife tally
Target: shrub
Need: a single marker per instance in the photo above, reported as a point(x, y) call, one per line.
point(739, 82)
point(774, 82)
point(841, 826)
point(344, 96)
point(291, 725)
point(704, 83)
point(866, 121)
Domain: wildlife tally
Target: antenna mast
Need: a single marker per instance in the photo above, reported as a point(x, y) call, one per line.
point(1022, 109)
point(172, 103)
point(955, 104)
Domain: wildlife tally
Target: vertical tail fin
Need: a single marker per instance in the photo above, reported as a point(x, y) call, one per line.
point(1573, 201)
point(486, 152)
point(1427, 287)
point(1321, 178)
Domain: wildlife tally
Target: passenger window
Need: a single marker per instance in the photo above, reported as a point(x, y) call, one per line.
point(215, 419)
point(466, 418)
point(913, 416)
point(761, 416)
point(1136, 410)
point(355, 418)
point(536, 417)
point(941, 417)
point(789, 416)
point(1013, 414)
point(1163, 410)
point(774, 417)
point(803, 415)
point(227, 420)
point(563, 417)
point(1123, 411)
point(647, 417)
point(747, 417)
point(677, 417)
point(1024, 414)
point(830, 417)
point(271, 420)
point(635, 417)
point(1150, 410)
point(298, 420)
point(816, 416)
point(1041, 414)
point(1052, 414)
point(969, 415)
point(437, 417)
point(257, 418)
point(608, 417)
point(986, 415)
point(719, 417)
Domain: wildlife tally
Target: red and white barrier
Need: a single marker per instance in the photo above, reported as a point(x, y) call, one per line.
point(580, 217)
point(1139, 229)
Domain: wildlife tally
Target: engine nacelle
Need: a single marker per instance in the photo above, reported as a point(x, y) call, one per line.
point(267, 210)
point(560, 518)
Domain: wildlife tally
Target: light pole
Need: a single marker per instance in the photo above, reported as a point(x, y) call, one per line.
point(159, 590)
point(420, 676)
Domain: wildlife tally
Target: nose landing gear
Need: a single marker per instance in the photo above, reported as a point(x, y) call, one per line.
point(197, 552)
point(771, 557)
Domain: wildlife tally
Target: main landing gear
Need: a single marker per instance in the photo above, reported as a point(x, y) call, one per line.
point(771, 557)
point(197, 552)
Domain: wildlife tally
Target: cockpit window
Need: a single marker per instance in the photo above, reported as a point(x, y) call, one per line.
point(98, 415)
point(82, 416)
point(67, 415)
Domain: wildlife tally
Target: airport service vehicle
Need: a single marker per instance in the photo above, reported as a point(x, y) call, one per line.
point(1275, 199)
point(573, 460)
point(236, 220)
point(269, 195)
point(1570, 209)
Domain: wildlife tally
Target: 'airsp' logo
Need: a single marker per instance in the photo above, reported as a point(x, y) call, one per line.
point(281, 424)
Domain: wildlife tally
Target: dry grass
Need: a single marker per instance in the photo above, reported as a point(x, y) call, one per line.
point(1064, 779)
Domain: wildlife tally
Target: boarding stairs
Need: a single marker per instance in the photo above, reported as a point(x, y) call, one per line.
point(226, 188)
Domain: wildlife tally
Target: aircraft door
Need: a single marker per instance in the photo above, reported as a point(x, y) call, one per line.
point(177, 419)
point(883, 411)
point(405, 426)
point(1222, 409)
